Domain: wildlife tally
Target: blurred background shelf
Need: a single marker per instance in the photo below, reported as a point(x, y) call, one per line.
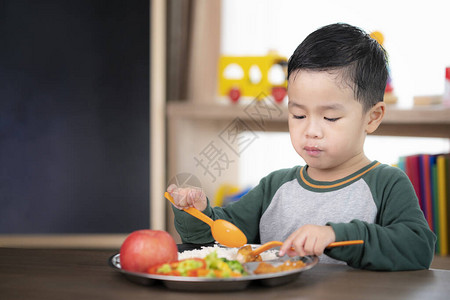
point(420, 121)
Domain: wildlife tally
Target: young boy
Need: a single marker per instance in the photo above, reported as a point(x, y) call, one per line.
point(336, 82)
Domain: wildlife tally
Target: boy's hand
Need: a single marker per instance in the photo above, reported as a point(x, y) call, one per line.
point(187, 197)
point(308, 240)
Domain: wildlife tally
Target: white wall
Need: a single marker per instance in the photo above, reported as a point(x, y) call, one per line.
point(417, 38)
point(417, 33)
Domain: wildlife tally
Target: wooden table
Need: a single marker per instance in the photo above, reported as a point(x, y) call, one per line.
point(85, 274)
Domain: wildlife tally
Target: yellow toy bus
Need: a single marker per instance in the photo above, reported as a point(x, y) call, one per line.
point(253, 76)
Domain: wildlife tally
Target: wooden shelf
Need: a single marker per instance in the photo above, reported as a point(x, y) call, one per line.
point(423, 122)
point(71, 241)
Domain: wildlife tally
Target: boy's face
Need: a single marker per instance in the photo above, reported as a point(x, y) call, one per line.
point(326, 123)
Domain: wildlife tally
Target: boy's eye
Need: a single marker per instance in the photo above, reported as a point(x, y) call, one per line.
point(331, 119)
point(298, 117)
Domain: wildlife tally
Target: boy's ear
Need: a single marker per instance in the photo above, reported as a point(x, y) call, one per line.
point(375, 116)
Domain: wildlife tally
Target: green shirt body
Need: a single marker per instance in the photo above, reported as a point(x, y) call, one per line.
point(376, 204)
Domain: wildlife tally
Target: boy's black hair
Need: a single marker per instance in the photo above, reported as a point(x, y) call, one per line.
point(349, 49)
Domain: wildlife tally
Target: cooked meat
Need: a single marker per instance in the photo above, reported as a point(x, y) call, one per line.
point(244, 255)
point(264, 268)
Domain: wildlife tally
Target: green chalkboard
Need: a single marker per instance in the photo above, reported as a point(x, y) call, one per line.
point(74, 116)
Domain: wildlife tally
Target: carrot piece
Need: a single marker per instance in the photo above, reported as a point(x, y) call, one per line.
point(202, 272)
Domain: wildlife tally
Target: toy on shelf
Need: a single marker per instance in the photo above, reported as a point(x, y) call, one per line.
point(228, 193)
point(436, 99)
point(446, 97)
point(389, 96)
point(253, 77)
point(427, 100)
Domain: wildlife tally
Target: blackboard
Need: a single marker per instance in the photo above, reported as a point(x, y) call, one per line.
point(74, 116)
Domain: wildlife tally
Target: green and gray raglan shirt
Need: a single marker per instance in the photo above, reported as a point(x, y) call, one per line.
point(376, 204)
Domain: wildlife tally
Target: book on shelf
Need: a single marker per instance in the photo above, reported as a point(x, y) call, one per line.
point(430, 177)
point(443, 191)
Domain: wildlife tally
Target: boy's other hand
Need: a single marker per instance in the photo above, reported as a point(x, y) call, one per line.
point(187, 197)
point(308, 240)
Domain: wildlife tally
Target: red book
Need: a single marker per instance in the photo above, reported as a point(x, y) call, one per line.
point(427, 197)
point(413, 172)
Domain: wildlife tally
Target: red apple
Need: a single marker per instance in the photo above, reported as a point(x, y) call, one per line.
point(146, 248)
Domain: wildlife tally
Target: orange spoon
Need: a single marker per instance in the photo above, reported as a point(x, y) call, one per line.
point(222, 231)
point(272, 244)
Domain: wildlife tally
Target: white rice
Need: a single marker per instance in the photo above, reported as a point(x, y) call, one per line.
point(228, 253)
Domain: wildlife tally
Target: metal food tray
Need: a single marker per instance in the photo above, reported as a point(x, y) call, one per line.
point(218, 284)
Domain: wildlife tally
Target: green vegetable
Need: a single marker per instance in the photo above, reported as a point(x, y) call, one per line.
point(188, 265)
point(164, 269)
point(213, 262)
point(235, 266)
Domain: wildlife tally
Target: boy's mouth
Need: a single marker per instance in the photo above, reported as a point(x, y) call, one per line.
point(313, 151)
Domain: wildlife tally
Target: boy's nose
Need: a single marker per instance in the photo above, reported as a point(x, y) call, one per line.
point(313, 129)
